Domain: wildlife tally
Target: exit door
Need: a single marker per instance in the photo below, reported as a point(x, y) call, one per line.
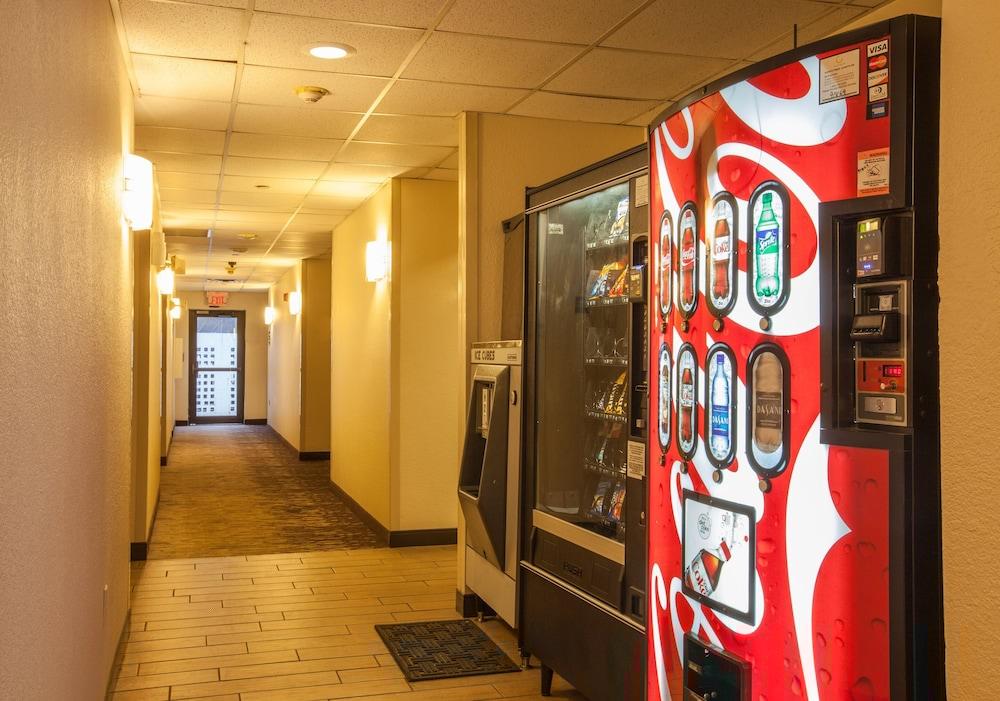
point(217, 352)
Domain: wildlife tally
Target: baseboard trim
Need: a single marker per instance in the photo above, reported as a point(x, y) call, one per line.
point(427, 536)
point(163, 461)
point(255, 422)
point(314, 455)
point(138, 551)
point(381, 532)
point(116, 663)
point(181, 422)
point(466, 604)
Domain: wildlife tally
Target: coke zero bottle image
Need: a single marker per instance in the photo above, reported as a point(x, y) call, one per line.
point(688, 254)
point(766, 284)
point(720, 440)
point(664, 397)
point(702, 575)
point(686, 419)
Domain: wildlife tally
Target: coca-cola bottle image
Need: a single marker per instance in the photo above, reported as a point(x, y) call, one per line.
point(686, 418)
point(666, 258)
point(766, 286)
point(721, 256)
point(664, 397)
point(702, 575)
point(767, 403)
point(688, 253)
point(719, 411)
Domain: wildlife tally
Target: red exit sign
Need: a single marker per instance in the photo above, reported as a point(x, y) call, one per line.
point(216, 299)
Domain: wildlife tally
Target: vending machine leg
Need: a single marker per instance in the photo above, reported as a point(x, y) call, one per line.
point(546, 681)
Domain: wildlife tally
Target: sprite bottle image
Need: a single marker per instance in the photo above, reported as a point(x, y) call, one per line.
point(766, 286)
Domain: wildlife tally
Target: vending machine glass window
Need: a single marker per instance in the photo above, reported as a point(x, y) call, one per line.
point(583, 352)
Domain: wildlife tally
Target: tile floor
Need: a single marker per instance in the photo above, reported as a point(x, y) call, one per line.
point(296, 627)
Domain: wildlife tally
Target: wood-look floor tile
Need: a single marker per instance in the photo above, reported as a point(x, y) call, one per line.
point(316, 602)
point(462, 693)
point(307, 652)
point(217, 662)
point(431, 615)
point(356, 612)
point(331, 691)
point(533, 675)
point(348, 676)
point(184, 653)
point(128, 670)
point(262, 635)
point(170, 643)
point(146, 681)
point(330, 664)
point(244, 686)
point(160, 694)
point(310, 647)
point(287, 624)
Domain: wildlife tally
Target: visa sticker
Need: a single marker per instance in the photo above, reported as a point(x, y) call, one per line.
point(879, 47)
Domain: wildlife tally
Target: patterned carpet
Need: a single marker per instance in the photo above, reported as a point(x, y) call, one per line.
point(232, 489)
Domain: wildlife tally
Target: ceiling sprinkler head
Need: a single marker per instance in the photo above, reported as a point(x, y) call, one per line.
point(311, 93)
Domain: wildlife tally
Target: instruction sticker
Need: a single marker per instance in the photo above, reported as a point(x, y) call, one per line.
point(840, 76)
point(636, 459)
point(873, 172)
point(555, 229)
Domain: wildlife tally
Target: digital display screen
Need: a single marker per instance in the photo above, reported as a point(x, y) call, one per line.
point(719, 554)
point(892, 370)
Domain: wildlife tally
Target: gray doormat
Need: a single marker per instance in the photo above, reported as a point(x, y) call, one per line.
point(442, 649)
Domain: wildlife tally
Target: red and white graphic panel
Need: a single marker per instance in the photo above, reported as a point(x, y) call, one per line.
point(763, 541)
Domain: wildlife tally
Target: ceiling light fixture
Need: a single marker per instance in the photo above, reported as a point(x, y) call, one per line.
point(330, 51)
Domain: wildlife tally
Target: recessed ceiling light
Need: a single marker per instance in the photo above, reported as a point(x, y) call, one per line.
point(248, 237)
point(329, 51)
point(263, 187)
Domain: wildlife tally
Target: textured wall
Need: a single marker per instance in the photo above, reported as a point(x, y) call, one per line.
point(284, 360)
point(425, 399)
point(255, 389)
point(969, 269)
point(359, 393)
point(65, 321)
point(316, 354)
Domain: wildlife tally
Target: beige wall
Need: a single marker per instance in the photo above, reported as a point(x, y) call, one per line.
point(255, 375)
point(425, 407)
point(65, 276)
point(360, 394)
point(970, 335)
point(315, 429)
point(284, 360)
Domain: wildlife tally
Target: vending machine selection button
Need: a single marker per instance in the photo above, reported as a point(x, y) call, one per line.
point(880, 405)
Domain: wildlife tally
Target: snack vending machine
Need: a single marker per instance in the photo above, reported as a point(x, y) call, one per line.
point(583, 506)
point(794, 501)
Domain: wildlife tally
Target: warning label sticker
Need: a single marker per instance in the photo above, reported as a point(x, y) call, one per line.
point(873, 172)
point(839, 76)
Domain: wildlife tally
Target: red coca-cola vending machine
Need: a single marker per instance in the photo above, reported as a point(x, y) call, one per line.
point(794, 506)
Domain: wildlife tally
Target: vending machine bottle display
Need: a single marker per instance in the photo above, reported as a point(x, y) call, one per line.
point(794, 499)
point(583, 568)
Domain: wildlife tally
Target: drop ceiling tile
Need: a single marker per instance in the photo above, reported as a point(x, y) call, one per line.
point(580, 108)
point(276, 86)
point(167, 76)
point(412, 13)
point(569, 21)
point(267, 198)
point(239, 4)
point(615, 73)
point(295, 121)
point(268, 219)
point(829, 23)
point(189, 197)
point(446, 99)
point(187, 181)
point(396, 129)
point(274, 168)
point(695, 28)
point(183, 162)
point(179, 140)
point(184, 114)
point(479, 60)
point(317, 222)
point(394, 154)
point(646, 118)
point(281, 40)
point(442, 174)
point(240, 183)
point(347, 172)
point(341, 203)
point(289, 147)
point(175, 29)
point(451, 161)
point(327, 189)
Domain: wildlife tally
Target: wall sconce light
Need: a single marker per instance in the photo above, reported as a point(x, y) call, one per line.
point(175, 308)
point(376, 260)
point(268, 315)
point(137, 196)
point(165, 281)
point(294, 303)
